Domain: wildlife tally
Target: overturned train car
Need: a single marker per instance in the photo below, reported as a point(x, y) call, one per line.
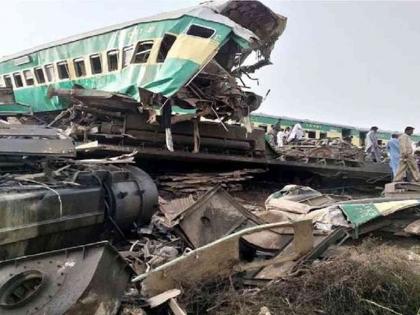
point(189, 62)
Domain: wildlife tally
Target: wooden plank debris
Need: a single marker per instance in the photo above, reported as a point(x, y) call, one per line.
point(194, 183)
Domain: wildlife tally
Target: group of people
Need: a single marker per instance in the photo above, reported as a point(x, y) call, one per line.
point(400, 148)
point(278, 137)
point(401, 151)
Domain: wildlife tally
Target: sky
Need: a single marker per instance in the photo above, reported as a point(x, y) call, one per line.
point(347, 62)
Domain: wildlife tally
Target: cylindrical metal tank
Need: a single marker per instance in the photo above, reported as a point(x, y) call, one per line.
point(40, 216)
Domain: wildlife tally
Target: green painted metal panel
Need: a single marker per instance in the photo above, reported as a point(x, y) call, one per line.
point(115, 39)
point(174, 74)
point(267, 120)
point(359, 214)
point(164, 78)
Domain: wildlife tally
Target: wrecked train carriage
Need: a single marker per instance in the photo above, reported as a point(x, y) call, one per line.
point(192, 56)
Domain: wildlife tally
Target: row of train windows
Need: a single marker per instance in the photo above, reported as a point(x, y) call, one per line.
point(141, 55)
point(47, 73)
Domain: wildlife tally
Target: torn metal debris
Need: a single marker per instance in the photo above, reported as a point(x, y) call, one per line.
point(323, 151)
point(214, 215)
point(88, 279)
point(159, 100)
point(216, 259)
point(194, 183)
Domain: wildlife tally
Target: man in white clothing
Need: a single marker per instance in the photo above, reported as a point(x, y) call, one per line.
point(297, 133)
point(372, 146)
point(281, 137)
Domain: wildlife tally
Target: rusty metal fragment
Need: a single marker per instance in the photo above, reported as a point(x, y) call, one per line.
point(88, 279)
point(214, 215)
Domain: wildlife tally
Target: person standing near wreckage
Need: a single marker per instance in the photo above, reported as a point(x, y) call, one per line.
point(407, 160)
point(281, 138)
point(393, 148)
point(271, 136)
point(297, 133)
point(372, 146)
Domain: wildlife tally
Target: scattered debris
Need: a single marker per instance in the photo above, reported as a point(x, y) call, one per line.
point(197, 110)
point(374, 271)
point(324, 151)
point(194, 183)
point(219, 258)
point(402, 189)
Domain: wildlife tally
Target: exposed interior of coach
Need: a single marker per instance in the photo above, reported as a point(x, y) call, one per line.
point(101, 62)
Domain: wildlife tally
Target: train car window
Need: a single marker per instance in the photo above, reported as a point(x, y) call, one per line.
point(96, 64)
point(29, 77)
point(112, 59)
point(311, 134)
point(8, 81)
point(39, 75)
point(166, 45)
point(79, 67)
point(50, 72)
point(200, 31)
point(142, 52)
point(18, 80)
point(126, 55)
point(63, 70)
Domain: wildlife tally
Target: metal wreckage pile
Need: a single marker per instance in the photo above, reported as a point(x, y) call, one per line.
point(62, 207)
point(321, 151)
point(60, 216)
point(217, 92)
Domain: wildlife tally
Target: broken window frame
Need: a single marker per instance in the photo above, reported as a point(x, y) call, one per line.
point(200, 26)
point(137, 52)
point(29, 77)
point(161, 57)
point(79, 71)
point(110, 54)
point(93, 69)
point(50, 72)
point(18, 80)
point(127, 54)
point(8, 82)
point(63, 65)
point(40, 79)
